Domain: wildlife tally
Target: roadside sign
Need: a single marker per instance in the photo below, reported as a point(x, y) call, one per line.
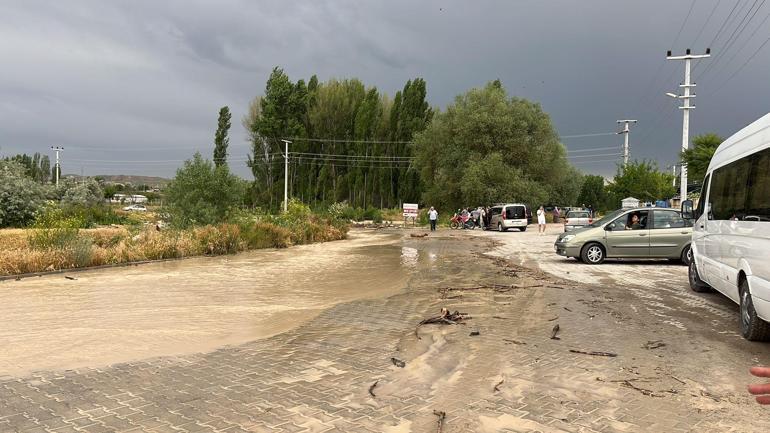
point(410, 210)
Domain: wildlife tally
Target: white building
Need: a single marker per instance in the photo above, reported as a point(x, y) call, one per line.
point(128, 198)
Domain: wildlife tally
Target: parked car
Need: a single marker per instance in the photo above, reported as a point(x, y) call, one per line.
point(508, 216)
point(630, 233)
point(731, 238)
point(576, 219)
point(135, 208)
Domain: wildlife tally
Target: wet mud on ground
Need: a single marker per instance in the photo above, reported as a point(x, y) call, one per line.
point(498, 371)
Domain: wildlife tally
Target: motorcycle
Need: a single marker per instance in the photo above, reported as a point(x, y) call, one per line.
point(462, 222)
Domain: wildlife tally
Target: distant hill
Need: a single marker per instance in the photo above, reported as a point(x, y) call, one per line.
point(152, 181)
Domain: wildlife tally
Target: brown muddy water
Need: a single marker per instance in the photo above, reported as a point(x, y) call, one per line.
point(192, 306)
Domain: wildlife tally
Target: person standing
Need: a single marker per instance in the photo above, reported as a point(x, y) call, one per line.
point(541, 221)
point(433, 217)
point(556, 214)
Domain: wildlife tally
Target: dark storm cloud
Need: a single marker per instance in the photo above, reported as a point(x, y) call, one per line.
point(119, 82)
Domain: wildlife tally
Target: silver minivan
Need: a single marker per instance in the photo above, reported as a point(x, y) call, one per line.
point(508, 216)
point(731, 234)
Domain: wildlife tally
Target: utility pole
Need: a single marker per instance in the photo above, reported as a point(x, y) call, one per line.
point(686, 107)
point(286, 176)
point(57, 149)
point(625, 132)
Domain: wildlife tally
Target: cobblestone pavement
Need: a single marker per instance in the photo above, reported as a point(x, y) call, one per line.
point(335, 374)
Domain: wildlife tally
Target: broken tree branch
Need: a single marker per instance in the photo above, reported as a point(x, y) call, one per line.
point(497, 387)
point(440, 423)
point(371, 388)
point(593, 353)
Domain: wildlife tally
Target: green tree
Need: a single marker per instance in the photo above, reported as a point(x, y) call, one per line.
point(699, 155)
point(221, 141)
point(592, 192)
point(642, 180)
point(21, 197)
point(201, 193)
point(83, 193)
point(483, 122)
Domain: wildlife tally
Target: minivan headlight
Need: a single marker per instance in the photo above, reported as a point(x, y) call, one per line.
point(567, 238)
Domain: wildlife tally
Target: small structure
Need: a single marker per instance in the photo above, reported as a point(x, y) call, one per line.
point(128, 198)
point(629, 202)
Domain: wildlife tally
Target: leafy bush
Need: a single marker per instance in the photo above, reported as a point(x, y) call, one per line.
point(82, 251)
point(20, 196)
point(202, 194)
point(81, 193)
point(53, 229)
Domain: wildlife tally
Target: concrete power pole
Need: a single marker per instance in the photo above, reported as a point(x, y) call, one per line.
point(57, 149)
point(686, 107)
point(286, 176)
point(625, 132)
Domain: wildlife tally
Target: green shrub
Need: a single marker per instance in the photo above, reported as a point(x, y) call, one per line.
point(53, 229)
point(219, 239)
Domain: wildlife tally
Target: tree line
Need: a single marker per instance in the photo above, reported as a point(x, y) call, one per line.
point(350, 142)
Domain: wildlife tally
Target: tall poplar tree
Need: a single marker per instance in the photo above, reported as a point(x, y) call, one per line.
point(221, 140)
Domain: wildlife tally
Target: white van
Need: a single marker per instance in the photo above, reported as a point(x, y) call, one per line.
point(508, 216)
point(731, 233)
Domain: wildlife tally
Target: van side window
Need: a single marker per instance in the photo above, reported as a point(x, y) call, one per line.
point(729, 187)
point(703, 193)
point(758, 202)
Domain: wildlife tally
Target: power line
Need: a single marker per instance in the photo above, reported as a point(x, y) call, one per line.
point(751, 36)
point(596, 156)
point(597, 134)
point(741, 68)
point(593, 149)
point(336, 140)
point(737, 32)
point(714, 9)
point(692, 5)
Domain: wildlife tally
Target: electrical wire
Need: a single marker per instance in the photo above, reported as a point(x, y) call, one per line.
point(684, 23)
point(719, 87)
point(735, 54)
point(593, 149)
point(737, 32)
point(703, 27)
point(335, 140)
point(597, 134)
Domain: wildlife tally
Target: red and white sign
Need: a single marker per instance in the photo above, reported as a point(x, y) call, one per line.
point(410, 210)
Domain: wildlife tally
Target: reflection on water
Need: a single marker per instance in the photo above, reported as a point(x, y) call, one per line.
point(189, 306)
point(409, 257)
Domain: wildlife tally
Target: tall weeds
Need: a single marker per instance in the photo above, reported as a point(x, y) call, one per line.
point(62, 247)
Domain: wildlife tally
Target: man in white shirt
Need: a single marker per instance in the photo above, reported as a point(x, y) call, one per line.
point(433, 217)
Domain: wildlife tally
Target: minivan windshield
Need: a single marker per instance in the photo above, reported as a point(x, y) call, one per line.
point(607, 218)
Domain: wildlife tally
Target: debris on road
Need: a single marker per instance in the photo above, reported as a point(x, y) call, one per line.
point(474, 333)
point(555, 331)
point(567, 309)
point(593, 353)
point(70, 277)
point(371, 388)
point(418, 235)
point(445, 318)
point(644, 391)
point(497, 387)
point(440, 423)
point(508, 340)
point(551, 320)
point(654, 344)
point(398, 363)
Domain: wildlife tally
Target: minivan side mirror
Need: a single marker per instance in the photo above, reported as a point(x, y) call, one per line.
point(687, 211)
point(608, 227)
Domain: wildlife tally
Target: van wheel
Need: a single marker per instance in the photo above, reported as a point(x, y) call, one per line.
point(593, 254)
point(696, 284)
point(752, 327)
point(523, 229)
point(686, 256)
point(500, 228)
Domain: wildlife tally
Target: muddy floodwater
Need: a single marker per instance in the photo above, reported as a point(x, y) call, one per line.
point(190, 306)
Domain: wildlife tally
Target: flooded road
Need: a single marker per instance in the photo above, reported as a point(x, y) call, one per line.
point(190, 306)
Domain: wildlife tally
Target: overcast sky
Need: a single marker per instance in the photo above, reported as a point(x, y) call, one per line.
point(125, 81)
